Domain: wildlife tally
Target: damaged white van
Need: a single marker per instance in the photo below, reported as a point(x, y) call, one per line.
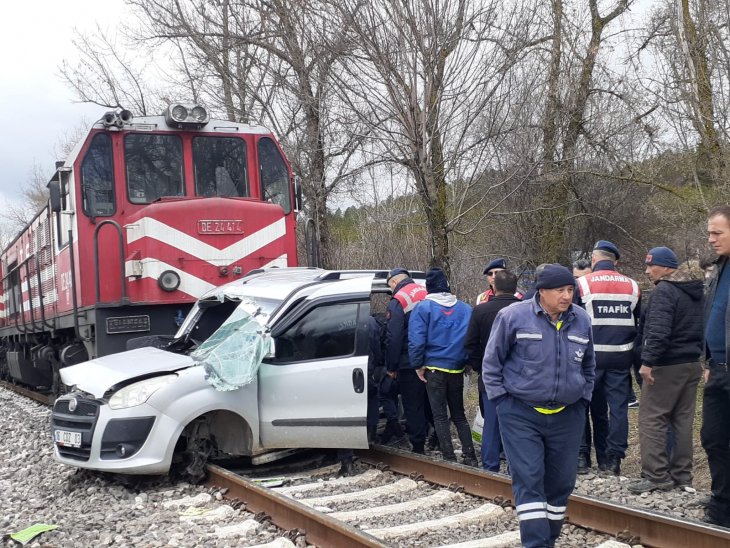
point(275, 360)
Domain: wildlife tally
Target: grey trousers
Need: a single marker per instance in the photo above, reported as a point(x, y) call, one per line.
point(668, 403)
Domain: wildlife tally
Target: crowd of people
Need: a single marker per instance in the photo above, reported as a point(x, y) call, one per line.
point(554, 369)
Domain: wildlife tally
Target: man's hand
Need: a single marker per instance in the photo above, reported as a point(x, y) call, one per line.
point(707, 376)
point(392, 374)
point(421, 372)
point(646, 374)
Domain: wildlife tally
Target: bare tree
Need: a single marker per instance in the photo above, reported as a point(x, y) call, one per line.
point(566, 116)
point(427, 78)
point(33, 197)
point(107, 75)
point(687, 45)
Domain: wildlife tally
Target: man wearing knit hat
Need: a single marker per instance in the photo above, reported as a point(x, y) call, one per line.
point(671, 343)
point(436, 335)
point(538, 369)
point(612, 300)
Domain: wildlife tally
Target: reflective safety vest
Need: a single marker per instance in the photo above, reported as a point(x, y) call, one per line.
point(611, 299)
point(488, 294)
point(409, 295)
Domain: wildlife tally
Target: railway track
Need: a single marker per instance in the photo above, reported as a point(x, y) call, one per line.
point(45, 399)
point(348, 512)
point(303, 507)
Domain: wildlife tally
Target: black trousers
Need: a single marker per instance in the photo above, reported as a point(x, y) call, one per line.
point(446, 395)
point(415, 401)
point(715, 435)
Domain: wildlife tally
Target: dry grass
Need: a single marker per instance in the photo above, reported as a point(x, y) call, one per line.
point(631, 465)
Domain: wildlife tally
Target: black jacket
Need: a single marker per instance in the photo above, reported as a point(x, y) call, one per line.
point(671, 329)
point(480, 326)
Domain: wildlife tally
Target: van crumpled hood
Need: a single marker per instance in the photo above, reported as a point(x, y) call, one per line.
point(100, 374)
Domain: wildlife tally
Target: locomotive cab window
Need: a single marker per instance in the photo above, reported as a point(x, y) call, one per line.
point(97, 178)
point(154, 167)
point(274, 175)
point(220, 166)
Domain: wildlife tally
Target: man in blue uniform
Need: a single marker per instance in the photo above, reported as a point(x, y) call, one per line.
point(538, 370)
point(406, 294)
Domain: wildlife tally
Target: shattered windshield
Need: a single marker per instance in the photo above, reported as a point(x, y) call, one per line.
point(232, 354)
point(209, 313)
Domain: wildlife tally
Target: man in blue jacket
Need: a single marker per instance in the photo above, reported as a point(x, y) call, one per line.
point(715, 432)
point(436, 336)
point(538, 369)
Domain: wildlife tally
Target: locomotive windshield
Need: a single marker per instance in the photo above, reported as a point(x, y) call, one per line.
point(154, 167)
point(220, 166)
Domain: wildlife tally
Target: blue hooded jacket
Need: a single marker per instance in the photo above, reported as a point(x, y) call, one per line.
point(437, 331)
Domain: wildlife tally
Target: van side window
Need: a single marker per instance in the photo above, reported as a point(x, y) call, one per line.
point(327, 331)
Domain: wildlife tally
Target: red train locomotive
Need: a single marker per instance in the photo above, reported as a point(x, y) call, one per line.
point(144, 216)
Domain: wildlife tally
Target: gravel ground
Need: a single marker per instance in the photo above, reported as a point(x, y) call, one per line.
point(93, 510)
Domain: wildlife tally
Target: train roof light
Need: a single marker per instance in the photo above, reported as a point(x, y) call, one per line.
point(183, 116)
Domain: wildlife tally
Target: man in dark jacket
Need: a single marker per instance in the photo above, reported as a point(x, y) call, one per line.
point(715, 432)
point(670, 350)
point(406, 294)
point(480, 326)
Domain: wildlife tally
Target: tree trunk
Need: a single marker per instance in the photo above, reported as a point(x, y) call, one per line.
point(709, 151)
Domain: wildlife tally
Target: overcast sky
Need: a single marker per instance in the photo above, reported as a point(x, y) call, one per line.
point(38, 109)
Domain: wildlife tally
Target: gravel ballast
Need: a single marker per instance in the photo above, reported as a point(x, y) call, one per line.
point(92, 509)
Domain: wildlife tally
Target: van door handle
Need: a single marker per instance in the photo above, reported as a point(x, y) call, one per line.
point(358, 380)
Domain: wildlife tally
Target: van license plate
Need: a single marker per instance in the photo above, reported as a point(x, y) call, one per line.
point(67, 439)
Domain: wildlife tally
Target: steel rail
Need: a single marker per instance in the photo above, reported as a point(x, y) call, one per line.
point(287, 513)
point(40, 398)
point(652, 529)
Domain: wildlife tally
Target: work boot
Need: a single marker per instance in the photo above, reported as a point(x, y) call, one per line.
point(392, 430)
point(469, 458)
point(646, 486)
point(714, 519)
point(432, 444)
point(584, 463)
point(611, 466)
point(347, 468)
point(418, 449)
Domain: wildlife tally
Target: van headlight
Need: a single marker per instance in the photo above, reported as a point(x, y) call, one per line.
point(139, 392)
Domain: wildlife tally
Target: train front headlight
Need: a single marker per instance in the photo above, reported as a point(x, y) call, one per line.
point(182, 116)
point(139, 392)
point(169, 280)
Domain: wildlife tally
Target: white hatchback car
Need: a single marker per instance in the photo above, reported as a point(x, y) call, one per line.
point(135, 411)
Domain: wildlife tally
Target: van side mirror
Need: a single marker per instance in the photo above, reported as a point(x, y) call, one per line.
point(54, 188)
